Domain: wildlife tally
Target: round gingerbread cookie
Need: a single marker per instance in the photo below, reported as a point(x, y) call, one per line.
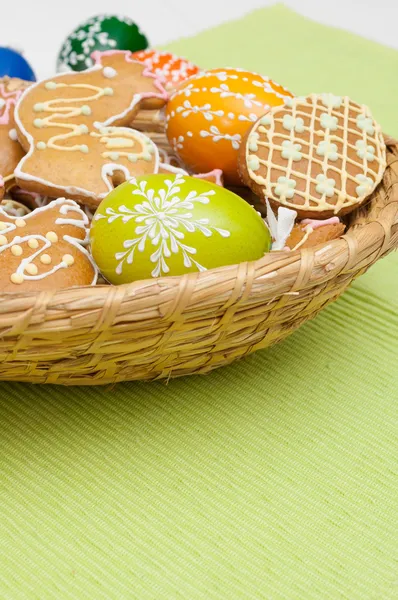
point(322, 156)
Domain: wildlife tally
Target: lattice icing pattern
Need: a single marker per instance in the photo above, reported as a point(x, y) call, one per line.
point(322, 154)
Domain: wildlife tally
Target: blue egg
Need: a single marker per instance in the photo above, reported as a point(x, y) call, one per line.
point(13, 64)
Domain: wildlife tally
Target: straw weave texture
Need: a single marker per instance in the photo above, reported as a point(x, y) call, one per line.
point(191, 324)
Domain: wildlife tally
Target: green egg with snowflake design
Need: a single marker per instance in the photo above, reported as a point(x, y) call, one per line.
point(102, 32)
point(159, 225)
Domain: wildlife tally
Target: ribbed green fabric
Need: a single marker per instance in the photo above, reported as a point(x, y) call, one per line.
point(275, 478)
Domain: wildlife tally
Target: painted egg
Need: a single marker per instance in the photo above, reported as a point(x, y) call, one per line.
point(159, 225)
point(103, 32)
point(13, 64)
point(208, 116)
point(170, 68)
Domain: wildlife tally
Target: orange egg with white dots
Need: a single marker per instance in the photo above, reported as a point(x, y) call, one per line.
point(208, 116)
point(171, 69)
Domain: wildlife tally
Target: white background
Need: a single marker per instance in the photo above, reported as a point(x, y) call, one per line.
point(39, 27)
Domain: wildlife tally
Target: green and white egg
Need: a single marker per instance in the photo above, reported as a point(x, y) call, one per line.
point(102, 32)
point(159, 225)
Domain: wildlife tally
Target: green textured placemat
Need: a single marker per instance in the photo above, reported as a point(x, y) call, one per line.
point(275, 478)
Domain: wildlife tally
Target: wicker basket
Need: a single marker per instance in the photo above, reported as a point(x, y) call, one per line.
point(191, 324)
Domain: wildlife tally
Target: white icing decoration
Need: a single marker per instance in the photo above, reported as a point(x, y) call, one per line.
point(17, 278)
point(16, 249)
point(41, 145)
point(325, 186)
point(266, 120)
point(111, 138)
point(285, 187)
point(52, 236)
point(38, 123)
point(68, 259)
point(188, 90)
point(365, 151)
point(253, 162)
point(252, 118)
point(331, 101)
point(365, 186)
point(84, 148)
point(365, 124)
point(253, 141)
point(2, 103)
point(109, 72)
point(269, 89)
point(222, 75)
point(38, 107)
point(291, 150)
point(187, 109)
point(216, 134)
point(290, 102)
point(34, 244)
point(248, 99)
point(50, 85)
point(328, 150)
point(108, 91)
point(31, 269)
point(329, 121)
point(85, 110)
point(162, 219)
point(12, 134)
point(289, 122)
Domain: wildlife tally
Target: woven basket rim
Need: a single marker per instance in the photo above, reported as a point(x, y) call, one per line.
point(333, 257)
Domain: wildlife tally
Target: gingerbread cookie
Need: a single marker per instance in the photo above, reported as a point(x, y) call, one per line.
point(11, 90)
point(31, 200)
point(44, 250)
point(312, 232)
point(72, 127)
point(210, 113)
point(322, 155)
point(14, 208)
point(149, 121)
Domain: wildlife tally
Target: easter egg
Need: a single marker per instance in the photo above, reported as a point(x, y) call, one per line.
point(209, 114)
point(13, 64)
point(103, 32)
point(171, 69)
point(159, 225)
